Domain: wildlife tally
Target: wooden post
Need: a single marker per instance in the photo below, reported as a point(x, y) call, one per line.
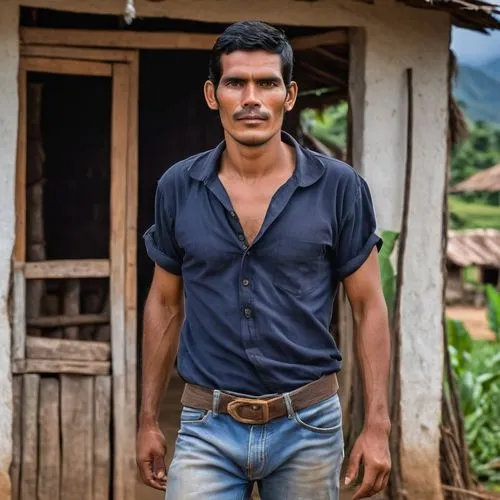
point(34, 198)
point(131, 273)
point(121, 85)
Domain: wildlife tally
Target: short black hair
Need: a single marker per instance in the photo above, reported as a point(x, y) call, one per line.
point(251, 36)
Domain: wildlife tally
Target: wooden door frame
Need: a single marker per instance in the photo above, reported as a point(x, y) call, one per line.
point(123, 67)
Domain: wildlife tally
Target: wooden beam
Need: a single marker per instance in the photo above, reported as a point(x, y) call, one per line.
point(59, 269)
point(328, 78)
point(67, 350)
point(18, 315)
point(119, 165)
point(118, 39)
point(330, 55)
point(312, 41)
point(68, 320)
point(131, 273)
point(79, 53)
point(21, 163)
point(65, 66)
point(62, 366)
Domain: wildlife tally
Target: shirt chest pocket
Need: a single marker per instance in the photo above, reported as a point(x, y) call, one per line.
point(299, 265)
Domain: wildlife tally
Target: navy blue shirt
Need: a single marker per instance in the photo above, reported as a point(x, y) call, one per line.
point(257, 318)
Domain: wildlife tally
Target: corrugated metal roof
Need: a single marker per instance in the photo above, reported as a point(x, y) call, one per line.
point(480, 247)
point(487, 181)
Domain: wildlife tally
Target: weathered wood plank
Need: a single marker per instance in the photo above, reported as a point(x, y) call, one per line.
point(71, 306)
point(121, 86)
point(59, 269)
point(29, 459)
point(19, 315)
point(61, 366)
point(77, 413)
point(63, 349)
point(76, 53)
point(65, 66)
point(49, 456)
point(21, 163)
point(15, 467)
point(131, 274)
point(118, 39)
point(102, 438)
point(78, 319)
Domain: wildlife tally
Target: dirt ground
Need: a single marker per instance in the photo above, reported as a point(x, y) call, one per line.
point(474, 318)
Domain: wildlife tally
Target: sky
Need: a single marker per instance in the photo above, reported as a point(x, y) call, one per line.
point(474, 48)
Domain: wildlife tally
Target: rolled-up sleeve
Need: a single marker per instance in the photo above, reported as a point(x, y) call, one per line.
point(160, 241)
point(357, 235)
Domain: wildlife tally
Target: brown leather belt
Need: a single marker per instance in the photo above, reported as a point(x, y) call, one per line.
point(260, 410)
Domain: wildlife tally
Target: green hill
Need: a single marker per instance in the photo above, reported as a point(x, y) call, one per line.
point(479, 92)
point(473, 215)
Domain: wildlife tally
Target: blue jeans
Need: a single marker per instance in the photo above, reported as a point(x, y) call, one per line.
point(297, 457)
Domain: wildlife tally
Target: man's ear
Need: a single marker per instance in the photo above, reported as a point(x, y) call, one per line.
point(291, 96)
point(210, 95)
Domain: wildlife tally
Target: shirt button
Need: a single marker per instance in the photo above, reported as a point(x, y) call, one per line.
point(245, 282)
point(247, 312)
point(233, 214)
point(241, 237)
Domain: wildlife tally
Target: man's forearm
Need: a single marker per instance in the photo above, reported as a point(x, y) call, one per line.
point(162, 324)
point(373, 347)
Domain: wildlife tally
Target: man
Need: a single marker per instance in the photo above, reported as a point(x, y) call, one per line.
point(256, 236)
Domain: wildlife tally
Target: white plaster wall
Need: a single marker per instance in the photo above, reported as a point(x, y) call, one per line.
point(8, 133)
point(396, 37)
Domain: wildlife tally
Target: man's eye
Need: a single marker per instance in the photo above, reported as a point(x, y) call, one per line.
point(234, 83)
point(268, 84)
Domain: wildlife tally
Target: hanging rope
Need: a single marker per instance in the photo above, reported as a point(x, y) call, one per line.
point(130, 12)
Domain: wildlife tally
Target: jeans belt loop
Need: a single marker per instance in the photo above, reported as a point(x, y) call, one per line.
point(215, 403)
point(289, 405)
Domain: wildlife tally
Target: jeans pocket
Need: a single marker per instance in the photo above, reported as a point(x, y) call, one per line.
point(193, 415)
point(324, 417)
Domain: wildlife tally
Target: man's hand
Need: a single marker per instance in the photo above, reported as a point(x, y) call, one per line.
point(151, 451)
point(371, 448)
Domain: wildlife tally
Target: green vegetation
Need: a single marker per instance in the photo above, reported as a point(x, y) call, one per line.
point(476, 364)
point(465, 215)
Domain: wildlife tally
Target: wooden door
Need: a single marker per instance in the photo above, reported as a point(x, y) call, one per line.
point(75, 394)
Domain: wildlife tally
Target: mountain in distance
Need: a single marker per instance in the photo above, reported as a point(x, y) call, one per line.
point(477, 89)
point(492, 68)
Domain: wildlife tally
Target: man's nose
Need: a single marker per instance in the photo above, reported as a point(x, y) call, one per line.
point(250, 97)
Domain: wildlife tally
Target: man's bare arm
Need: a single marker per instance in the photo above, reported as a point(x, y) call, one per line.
point(369, 309)
point(163, 317)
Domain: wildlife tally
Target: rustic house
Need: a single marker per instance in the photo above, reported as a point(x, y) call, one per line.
point(471, 247)
point(93, 109)
point(486, 181)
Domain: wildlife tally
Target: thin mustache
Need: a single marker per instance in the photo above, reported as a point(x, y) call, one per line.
point(240, 115)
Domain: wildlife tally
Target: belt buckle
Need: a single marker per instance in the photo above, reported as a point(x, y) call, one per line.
point(234, 406)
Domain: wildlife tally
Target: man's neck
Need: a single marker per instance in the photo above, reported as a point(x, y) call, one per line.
point(255, 162)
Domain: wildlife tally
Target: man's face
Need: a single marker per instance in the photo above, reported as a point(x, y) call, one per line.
point(251, 97)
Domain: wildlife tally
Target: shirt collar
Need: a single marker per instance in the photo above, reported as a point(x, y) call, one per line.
point(308, 170)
